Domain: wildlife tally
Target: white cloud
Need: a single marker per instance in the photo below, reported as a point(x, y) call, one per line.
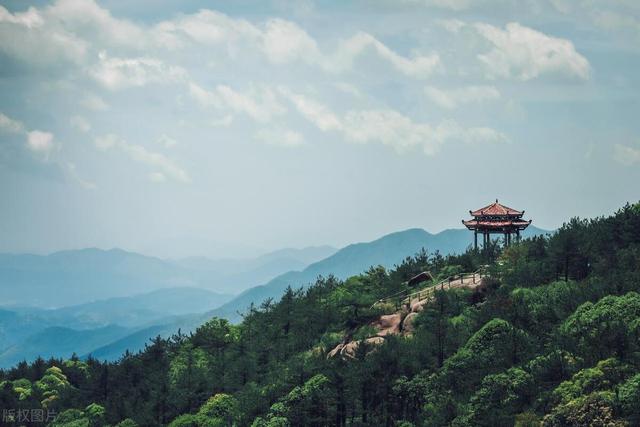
point(451, 99)
point(389, 127)
point(39, 141)
point(283, 138)
point(80, 123)
point(285, 41)
point(118, 73)
point(626, 155)
point(466, 5)
point(419, 66)
point(34, 38)
point(316, 113)
point(30, 19)
point(8, 124)
point(523, 53)
point(393, 129)
point(140, 154)
point(75, 30)
point(204, 97)
point(88, 18)
point(206, 27)
point(261, 104)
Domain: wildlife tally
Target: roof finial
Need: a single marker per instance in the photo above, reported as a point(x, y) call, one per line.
point(496, 200)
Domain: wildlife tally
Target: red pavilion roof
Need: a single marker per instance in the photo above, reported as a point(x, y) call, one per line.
point(496, 209)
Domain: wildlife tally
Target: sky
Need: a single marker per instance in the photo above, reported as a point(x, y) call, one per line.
point(226, 129)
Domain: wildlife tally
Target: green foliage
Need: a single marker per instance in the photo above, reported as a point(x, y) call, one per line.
point(629, 396)
point(496, 346)
point(595, 409)
point(128, 422)
point(218, 410)
point(303, 405)
point(604, 376)
point(606, 328)
point(527, 419)
point(69, 418)
point(51, 386)
point(185, 420)
point(498, 399)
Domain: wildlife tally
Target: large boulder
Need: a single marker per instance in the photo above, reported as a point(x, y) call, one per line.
point(418, 305)
point(336, 350)
point(388, 324)
point(349, 349)
point(408, 326)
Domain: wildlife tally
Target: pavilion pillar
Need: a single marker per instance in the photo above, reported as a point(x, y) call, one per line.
point(475, 239)
point(517, 235)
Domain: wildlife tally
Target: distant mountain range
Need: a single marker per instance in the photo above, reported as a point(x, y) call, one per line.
point(97, 290)
point(76, 277)
point(29, 332)
point(107, 328)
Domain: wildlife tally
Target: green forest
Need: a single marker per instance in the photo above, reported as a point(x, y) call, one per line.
point(552, 338)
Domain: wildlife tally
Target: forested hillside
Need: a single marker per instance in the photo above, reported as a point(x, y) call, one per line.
point(386, 251)
point(552, 338)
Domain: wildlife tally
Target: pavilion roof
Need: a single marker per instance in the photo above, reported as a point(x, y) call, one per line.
point(471, 224)
point(497, 209)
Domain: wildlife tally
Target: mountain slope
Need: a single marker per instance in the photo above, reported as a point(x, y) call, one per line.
point(60, 342)
point(356, 258)
point(140, 310)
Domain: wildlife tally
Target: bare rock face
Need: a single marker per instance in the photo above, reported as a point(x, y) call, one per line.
point(349, 349)
point(388, 324)
point(418, 305)
point(335, 351)
point(374, 340)
point(407, 324)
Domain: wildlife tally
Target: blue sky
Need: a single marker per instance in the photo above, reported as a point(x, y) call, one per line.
point(179, 128)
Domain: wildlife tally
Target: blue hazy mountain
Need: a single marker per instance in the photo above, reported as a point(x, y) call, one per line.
point(85, 327)
point(57, 341)
point(90, 284)
point(75, 277)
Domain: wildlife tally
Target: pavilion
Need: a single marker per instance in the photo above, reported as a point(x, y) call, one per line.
point(496, 219)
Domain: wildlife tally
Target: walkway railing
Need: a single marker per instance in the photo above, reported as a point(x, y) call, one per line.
point(455, 281)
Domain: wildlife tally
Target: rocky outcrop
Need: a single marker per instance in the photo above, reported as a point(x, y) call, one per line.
point(402, 322)
point(416, 305)
point(349, 349)
point(408, 326)
point(389, 324)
